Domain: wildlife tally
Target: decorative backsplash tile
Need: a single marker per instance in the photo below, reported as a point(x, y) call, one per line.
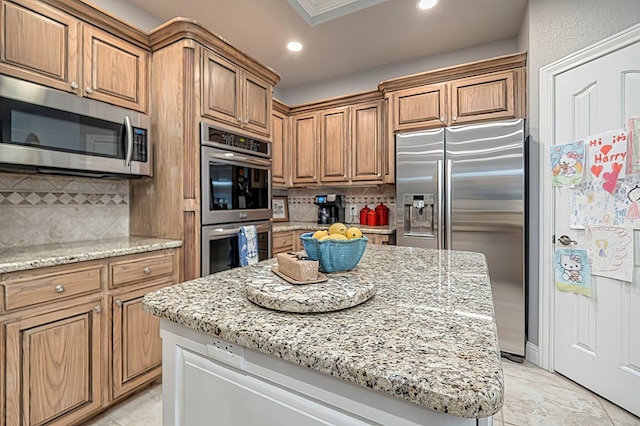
point(43, 209)
point(302, 209)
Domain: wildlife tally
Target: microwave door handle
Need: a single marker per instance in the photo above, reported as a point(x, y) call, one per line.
point(129, 133)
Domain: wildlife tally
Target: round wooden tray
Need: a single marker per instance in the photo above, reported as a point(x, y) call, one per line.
point(339, 291)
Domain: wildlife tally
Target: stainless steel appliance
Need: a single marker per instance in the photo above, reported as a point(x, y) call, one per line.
point(463, 188)
point(330, 208)
point(220, 245)
point(236, 191)
point(236, 177)
point(49, 131)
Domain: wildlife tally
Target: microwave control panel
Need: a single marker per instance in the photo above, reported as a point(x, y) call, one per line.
point(139, 145)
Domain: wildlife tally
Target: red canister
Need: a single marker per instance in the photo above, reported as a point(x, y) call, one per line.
point(363, 215)
point(382, 213)
point(372, 218)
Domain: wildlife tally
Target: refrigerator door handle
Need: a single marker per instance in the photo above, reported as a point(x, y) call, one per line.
point(449, 201)
point(440, 198)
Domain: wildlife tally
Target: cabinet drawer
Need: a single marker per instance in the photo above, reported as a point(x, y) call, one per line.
point(129, 271)
point(31, 290)
point(282, 240)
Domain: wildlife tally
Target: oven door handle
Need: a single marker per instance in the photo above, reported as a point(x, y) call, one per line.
point(219, 232)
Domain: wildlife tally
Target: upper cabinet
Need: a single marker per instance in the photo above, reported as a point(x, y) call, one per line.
point(339, 145)
point(50, 47)
point(280, 160)
point(479, 91)
point(236, 97)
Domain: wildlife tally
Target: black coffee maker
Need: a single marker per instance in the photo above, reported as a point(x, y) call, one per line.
point(330, 208)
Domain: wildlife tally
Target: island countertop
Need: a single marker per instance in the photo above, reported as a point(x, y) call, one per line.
point(427, 336)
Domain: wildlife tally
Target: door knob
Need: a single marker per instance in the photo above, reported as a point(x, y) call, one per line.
point(566, 240)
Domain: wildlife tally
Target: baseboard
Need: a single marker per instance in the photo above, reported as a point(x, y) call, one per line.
point(531, 353)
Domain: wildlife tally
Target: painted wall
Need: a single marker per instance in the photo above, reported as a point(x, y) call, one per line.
point(130, 13)
point(555, 29)
point(368, 80)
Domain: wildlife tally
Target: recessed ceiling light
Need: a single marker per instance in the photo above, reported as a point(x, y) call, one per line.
point(294, 46)
point(426, 4)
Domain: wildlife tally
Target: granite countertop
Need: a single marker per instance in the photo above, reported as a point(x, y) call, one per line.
point(296, 226)
point(428, 335)
point(32, 257)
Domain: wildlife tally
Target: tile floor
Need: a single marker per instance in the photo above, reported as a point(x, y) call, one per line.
point(532, 397)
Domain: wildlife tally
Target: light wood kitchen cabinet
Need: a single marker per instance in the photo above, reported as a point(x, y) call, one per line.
point(114, 70)
point(40, 44)
point(235, 97)
point(419, 107)
point(44, 45)
point(53, 365)
point(280, 161)
point(74, 338)
point(334, 145)
point(339, 145)
point(282, 242)
point(367, 142)
point(136, 343)
point(304, 149)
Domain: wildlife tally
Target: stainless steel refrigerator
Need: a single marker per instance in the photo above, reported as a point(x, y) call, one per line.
point(463, 188)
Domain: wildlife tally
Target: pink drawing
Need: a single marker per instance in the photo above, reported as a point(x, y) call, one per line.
point(610, 180)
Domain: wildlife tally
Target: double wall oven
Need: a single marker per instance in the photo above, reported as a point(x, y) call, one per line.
point(236, 191)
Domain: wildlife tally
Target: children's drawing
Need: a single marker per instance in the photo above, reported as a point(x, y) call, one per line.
point(607, 157)
point(567, 163)
point(611, 251)
point(592, 205)
point(572, 271)
point(633, 133)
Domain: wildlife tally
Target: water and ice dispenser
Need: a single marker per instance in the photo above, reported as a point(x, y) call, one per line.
point(418, 212)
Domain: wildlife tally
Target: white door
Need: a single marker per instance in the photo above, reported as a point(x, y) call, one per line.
point(597, 339)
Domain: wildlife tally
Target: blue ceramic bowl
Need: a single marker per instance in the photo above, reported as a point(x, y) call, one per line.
point(334, 255)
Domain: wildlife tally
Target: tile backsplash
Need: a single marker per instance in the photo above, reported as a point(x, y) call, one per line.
point(302, 209)
point(43, 209)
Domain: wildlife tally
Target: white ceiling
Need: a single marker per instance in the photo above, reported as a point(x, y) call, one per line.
point(384, 33)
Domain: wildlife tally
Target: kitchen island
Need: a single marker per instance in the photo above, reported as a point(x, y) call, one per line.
point(422, 350)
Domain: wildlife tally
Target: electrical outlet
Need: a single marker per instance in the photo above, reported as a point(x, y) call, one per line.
point(351, 210)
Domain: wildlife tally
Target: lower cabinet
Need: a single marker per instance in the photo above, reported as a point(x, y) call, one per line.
point(74, 338)
point(136, 346)
point(53, 365)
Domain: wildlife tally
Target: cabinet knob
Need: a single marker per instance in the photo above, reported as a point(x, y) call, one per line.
point(74, 85)
point(146, 270)
point(98, 308)
point(246, 121)
point(442, 119)
point(239, 119)
point(118, 303)
point(59, 288)
point(89, 90)
point(455, 117)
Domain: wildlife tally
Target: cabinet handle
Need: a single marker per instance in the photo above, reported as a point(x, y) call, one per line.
point(455, 117)
point(146, 270)
point(246, 121)
point(118, 303)
point(89, 90)
point(74, 85)
point(98, 308)
point(59, 288)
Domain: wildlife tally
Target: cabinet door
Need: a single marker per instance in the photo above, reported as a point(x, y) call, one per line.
point(39, 44)
point(221, 92)
point(367, 147)
point(114, 71)
point(279, 157)
point(334, 145)
point(419, 108)
point(305, 149)
point(486, 97)
point(256, 116)
point(137, 347)
point(53, 365)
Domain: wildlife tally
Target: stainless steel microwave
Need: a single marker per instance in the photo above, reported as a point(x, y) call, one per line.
point(50, 131)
